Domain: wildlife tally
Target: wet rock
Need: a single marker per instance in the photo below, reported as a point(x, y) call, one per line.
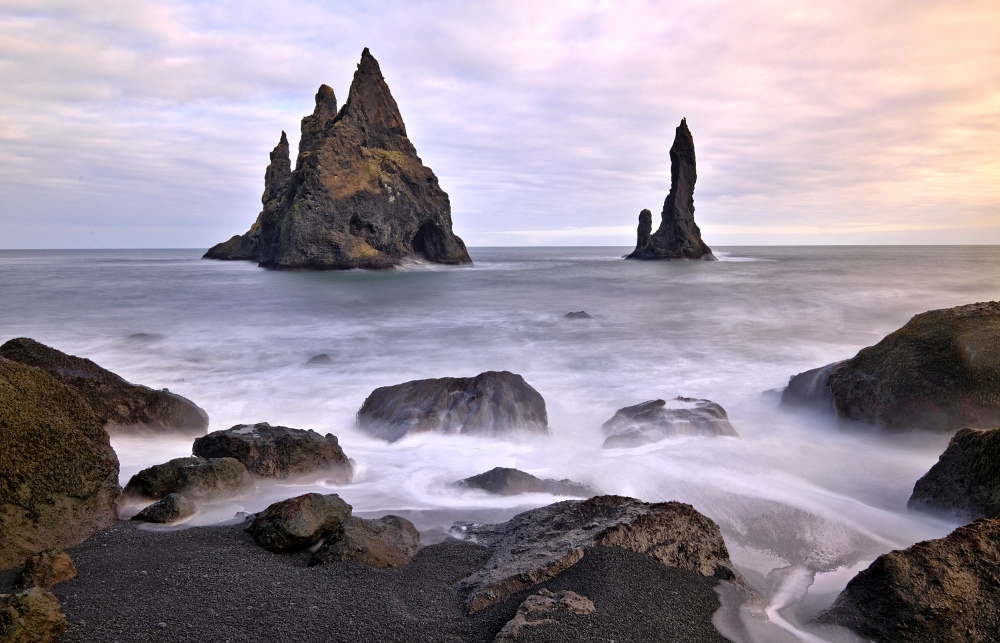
point(46, 569)
point(510, 482)
point(300, 522)
point(31, 616)
point(158, 480)
point(811, 389)
point(580, 314)
point(214, 479)
point(965, 481)
point(278, 451)
point(938, 590)
point(121, 407)
point(322, 358)
point(654, 420)
point(390, 541)
point(171, 508)
point(58, 472)
point(678, 236)
point(359, 196)
point(539, 544)
point(494, 403)
point(544, 608)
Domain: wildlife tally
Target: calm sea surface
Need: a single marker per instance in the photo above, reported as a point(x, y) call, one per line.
point(803, 505)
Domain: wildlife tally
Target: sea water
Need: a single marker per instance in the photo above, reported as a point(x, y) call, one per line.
point(803, 503)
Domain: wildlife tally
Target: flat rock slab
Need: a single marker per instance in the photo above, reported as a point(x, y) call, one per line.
point(654, 421)
point(504, 481)
point(389, 541)
point(965, 481)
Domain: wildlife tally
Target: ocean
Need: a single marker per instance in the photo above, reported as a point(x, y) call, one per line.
point(803, 503)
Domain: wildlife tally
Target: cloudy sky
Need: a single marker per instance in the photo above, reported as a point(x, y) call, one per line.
point(147, 123)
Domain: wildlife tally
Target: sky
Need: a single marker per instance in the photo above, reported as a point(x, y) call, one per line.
point(144, 124)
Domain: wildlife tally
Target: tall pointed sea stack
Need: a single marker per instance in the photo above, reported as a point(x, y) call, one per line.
point(359, 196)
point(678, 236)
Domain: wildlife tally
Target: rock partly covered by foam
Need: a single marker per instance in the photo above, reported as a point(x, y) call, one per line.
point(939, 372)
point(201, 479)
point(504, 481)
point(654, 420)
point(299, 522)
point(678, 236)
point(157, 481)
point(58, 472)
point(359, 196)
point(31, 616)
point(170, 508)
point(966, 479)
point(938, 590)
point(121, 407)
point(278, 451)
point(490, 404)
point(389, 541)
point(537, 545)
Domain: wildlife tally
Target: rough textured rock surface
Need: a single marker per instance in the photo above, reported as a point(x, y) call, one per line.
point(158, 480)
point(811, 389)
point(213, 478)
point(46, 569)
point(300, 522)
point(491, 403)
point(654, 420)
point(510, 482)
point(170, 508)
point(537, 545)
point(966, 479)
point(121, 407)
point(938, 590)
point(678, 236)
point(390, 541)
point(359, 196)
point(32, 616)
point(278, 451)
point(58, 472)
point(544, 608)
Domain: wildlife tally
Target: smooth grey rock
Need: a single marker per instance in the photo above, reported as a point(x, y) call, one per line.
point(654, 421)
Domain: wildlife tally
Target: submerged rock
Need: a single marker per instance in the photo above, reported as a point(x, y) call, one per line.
point(46, 569)
point(121, 407)
point(653, 421)
point(32, 616)
point(359, 196)
point(322, 358)
point(966, 479)
point(492, 403)
point(300, 522)
point(678, 236)
point(390, 541)
point(503, 481)
point(544, 608)
point(171, 508)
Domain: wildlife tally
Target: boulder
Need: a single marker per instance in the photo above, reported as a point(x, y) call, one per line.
point(300, 522)
point(537, 545)
point(171, 508)
point(58, 472)
point(965, 482)
point(939, 372)
point(213, 479)
point(31, 616)
point(390, 541)
point(511, 482)
point(654, 420)
point(490, 404)
point(322, 358)
point(359, 196)
point(46, 569)
point(544, 608)
point(121, 407)
point(938, 590)
point(158, 480)
point(678, 236)
point(580, 314)
point(278, 451)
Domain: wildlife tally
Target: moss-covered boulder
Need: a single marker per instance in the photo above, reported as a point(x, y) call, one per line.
point(965, 482)
point(58, 472)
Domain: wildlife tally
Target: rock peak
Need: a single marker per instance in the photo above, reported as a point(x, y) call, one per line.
point(370, 103)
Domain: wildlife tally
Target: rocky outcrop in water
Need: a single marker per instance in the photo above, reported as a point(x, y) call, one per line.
point(300, 522)
point(654, 421)
point(966, 479)
point(389, 541)
point(938, 372)
point(157, 481)
point(504, 481)
point(678, 236)
point(121, 407)
point(490, 404)
point(359, 196)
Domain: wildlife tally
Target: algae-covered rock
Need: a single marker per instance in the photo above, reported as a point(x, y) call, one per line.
point(157, 481)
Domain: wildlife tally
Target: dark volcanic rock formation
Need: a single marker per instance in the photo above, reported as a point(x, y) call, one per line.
point(359, 196)
point(299, 522)
point(938, 590)
point(966, 479)
point(389, 541)
point(503, 481)
point(939, 372)
point(121, 407)
point(491, 403)
point(678, 236)
point(654, 420)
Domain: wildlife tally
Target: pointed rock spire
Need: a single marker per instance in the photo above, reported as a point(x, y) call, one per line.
point(370, 103)
point(314, 125)
point(278, 173)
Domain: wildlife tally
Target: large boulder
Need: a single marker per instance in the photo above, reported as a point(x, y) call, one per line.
point(121, 407)
point(359, 196)
point(504, 481)
point(58, 472)
point(31, 616)
point(157, 481)
point(300, 522)
point(539, 544)
point(490, 404)
point(389, 541)
point(653, 421)
point(278, 451)
point(938, 590)
point(939, 372)
point(966, 479)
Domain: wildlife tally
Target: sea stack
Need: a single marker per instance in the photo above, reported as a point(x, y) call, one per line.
point(359, 196)
point(678, 236)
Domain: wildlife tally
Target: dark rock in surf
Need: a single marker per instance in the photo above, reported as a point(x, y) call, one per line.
point(654, 421)
point(121, 407)
point(171, 508)
point(214, 479)
point(544, 608)
point(678, 236)
point(580, 314)
point(811, 389)
point(494, 403)
point(322, 358)
point(359, 196)
point(278, 451)
point(965, 481)
point(938, 590)
point(31, 616)
point(300, 522)
point(157, 481)
point(46, 569)
point(390, 541)
point(503, 481)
